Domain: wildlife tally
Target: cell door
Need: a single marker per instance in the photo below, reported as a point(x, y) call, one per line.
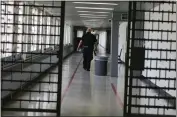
point(150, 74)
point(31, 62)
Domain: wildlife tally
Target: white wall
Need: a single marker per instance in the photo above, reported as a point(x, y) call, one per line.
point(103, 38)
point(122, 39)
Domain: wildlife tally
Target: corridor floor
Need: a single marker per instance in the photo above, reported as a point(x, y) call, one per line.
point(83, 93)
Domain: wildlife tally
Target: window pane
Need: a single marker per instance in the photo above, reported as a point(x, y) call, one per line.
point(57, 33)
point(34, 30)
point(48, 32)
point(20, 29)
point(40, 31)
point(6, 39)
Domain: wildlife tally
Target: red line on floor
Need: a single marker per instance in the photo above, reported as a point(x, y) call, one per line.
point(117, 95)
point(72, 77)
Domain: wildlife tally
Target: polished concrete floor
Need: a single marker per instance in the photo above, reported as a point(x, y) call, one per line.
point(83, 93)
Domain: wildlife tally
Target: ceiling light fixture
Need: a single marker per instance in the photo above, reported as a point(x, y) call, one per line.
point(98, 21)
point(91, 15)
point(95, 3)
point(92, 20)
point(95, 8)
point(91, 12)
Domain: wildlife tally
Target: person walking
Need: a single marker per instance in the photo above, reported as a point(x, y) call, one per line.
point(88, 40)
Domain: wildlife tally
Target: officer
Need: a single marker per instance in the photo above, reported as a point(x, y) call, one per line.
point(88, 40)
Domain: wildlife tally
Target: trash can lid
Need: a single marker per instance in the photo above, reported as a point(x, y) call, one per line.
point(101, 57)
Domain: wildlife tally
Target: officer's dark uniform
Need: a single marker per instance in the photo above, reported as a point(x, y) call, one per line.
point(88, 41)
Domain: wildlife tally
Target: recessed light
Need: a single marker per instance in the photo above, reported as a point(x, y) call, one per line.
point(91, 12)
point(96, 8)
point(91, 15)
point(95, 3)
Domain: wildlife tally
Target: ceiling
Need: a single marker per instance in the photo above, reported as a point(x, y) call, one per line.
point(98, 20)
point(72, 14)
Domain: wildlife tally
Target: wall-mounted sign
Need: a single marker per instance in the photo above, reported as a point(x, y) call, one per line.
point(124, 16)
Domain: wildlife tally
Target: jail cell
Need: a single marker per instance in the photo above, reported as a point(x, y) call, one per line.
point(150, 79)
point(30, 36)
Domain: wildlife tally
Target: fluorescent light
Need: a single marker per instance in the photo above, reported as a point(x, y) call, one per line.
point(95, 3)
point(92, 20)
point(91, 15)
point(96, 8)
point(91, 12)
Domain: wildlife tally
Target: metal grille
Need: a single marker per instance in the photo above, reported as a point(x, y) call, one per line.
point(31, 44)
point(150, 78)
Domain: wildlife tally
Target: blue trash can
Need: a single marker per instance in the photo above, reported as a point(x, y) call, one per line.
point(101, 65)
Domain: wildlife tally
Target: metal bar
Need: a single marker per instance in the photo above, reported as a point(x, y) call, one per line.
point(155, 11)
point(27, 100)
point(19, 71)
point(26, 90)
point(56, 16)
point(3, 42)
point(162, 78)
point(154, 30)
point(154, 40)
point(32, 5)
point(43, 82)
point(158, 59)
point(132, 45)
point(151, 68)
point(169, 2)
point(33, 53)
point(155, 97)
point(160, 49)
point(28, 110)
point(149, 106)
point(150, 115)
point(60, 56)
point(151, 87)
point(14, 23)
point(127, 60)
point(16, 33)
point(164, 21)
point(44, 63)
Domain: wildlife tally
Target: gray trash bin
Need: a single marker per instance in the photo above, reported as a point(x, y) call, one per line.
point(101, 65)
